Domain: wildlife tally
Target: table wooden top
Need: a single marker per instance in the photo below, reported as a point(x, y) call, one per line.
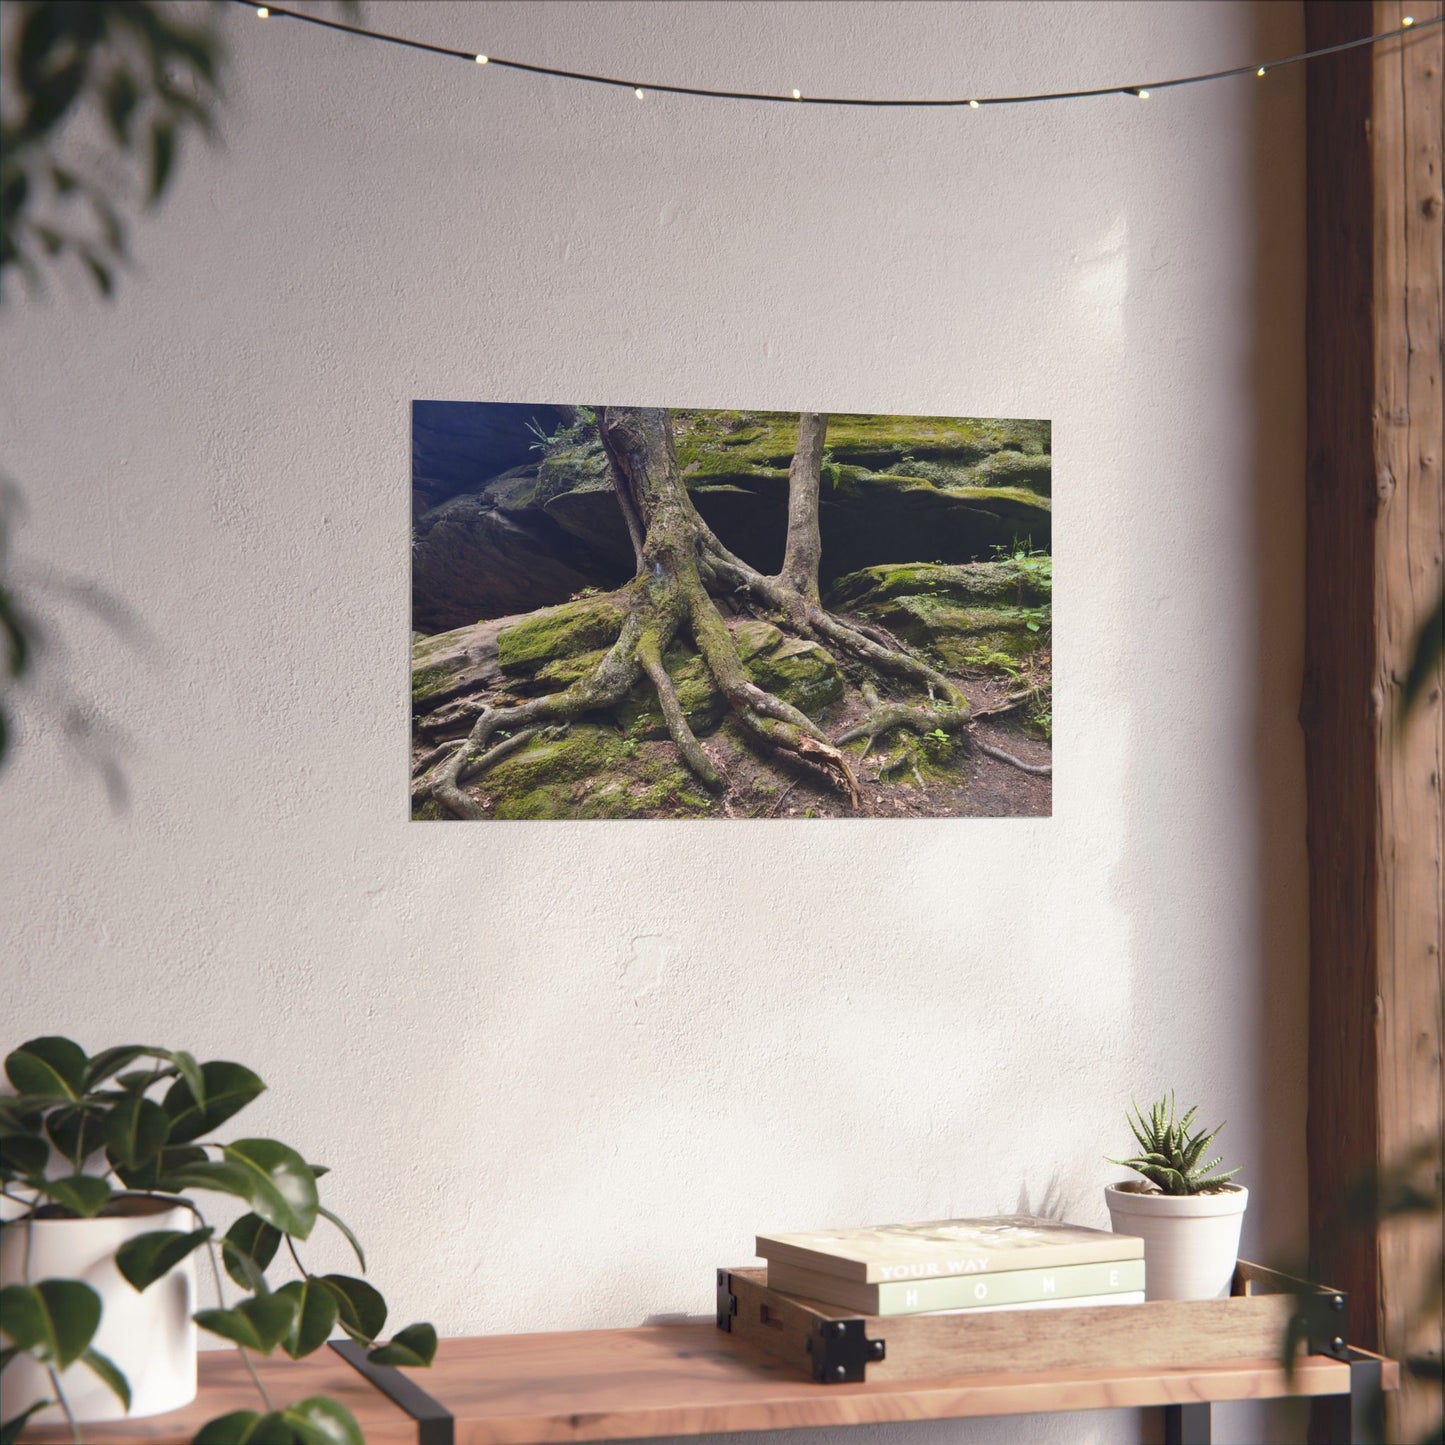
point(226, 1386)
point(688, 1379)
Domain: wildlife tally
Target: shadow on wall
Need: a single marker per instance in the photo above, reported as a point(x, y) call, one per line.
point(1250, 1003)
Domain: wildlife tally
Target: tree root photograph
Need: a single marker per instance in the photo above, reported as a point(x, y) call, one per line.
point(624, 612)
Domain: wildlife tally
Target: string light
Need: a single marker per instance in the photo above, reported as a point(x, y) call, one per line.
point(877, 102)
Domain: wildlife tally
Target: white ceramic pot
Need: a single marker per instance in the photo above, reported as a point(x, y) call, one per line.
point(1191, 1241)
point(149, 1335)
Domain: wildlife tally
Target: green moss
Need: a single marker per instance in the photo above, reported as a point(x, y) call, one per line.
point(801, 673)
point(995, 609)
point(1032, 470)
point(973, 582)
point(427, 683)
point(761, 445)
point(554, 633)
point(590, 773)
point(581, 467)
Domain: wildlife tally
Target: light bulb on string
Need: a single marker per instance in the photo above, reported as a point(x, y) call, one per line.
point(1139, 92)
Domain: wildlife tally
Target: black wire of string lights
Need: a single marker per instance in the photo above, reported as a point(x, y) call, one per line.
point(641, 89)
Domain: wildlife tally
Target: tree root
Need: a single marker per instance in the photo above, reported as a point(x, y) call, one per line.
point(1044, 770)
point(677, 728)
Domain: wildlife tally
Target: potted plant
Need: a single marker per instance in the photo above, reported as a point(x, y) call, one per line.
point(101, 1162)
point(1187, 1214)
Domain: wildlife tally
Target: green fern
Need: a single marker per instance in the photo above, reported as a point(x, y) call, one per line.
point(1171, 1157)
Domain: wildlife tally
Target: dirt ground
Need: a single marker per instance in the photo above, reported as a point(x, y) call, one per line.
point(967, 784)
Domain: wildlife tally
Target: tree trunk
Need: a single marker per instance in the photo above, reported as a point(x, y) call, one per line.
point(805, 547)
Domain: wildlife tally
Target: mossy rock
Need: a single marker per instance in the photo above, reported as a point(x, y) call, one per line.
point(591, 770)
point(979, 614)
point(550, 634)
point(1017, 469)
point(590, 516)
point(454, 662)
point(711, 444)
point(976, 583)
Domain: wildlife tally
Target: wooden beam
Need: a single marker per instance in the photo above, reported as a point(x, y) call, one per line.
point(1374, 547)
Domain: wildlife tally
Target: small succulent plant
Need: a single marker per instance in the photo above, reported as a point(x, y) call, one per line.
point(1170, 1154)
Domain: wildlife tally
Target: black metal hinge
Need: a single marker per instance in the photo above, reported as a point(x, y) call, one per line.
point(727, 1301)
point(1324, 1323)
point(841, 1351)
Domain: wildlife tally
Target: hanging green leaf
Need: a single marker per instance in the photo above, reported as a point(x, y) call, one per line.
point(154, 1174)
point(137, 1081)
point(361, 1310)
point(208, 1174)
point(149, 1257)
point(316, 1310)
point(111, 1061)
point(248, 1249)
point(11, 1430)
point(259, 1323)
point(54, 1320)
point(351, 1239)
point(22, 1156)
point(22, 1116)
point(282, 1187)
point(135, 1131)
point(245, 1427)
point(49, 1065)
point(195, 1077)
point(82, 1194)
point(414, 1346)
point(226, 1089)
point(319, 1421)
point(109, 1373)
point(76, 1130)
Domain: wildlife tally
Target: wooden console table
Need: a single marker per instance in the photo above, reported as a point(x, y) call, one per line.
point(692, 1379)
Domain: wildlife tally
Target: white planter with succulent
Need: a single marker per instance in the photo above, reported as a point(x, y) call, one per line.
point(1188, 1215)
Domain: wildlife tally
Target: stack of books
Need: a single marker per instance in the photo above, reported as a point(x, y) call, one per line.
point(1011, 1261)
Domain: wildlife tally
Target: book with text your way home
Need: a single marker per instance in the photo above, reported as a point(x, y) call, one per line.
point(887, 1253)
point(1109, 1282)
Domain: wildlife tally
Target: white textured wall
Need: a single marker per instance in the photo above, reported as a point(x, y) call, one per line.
point(562, 1071)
